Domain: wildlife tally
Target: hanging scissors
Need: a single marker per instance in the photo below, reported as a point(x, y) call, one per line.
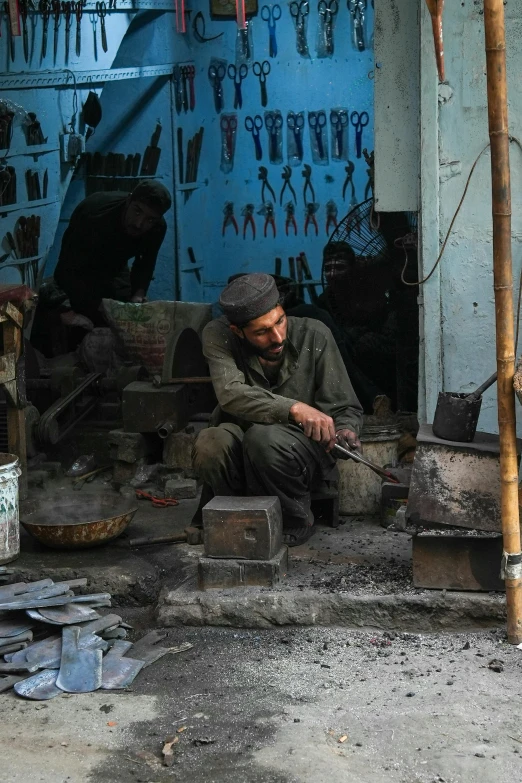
point(216, 74)
point(253, 126)
point(238, 75)
point(339, 121)
point(295, 123)
point(271, 14)
point(261, 70)
point(359, 121)
point(101, 10)
point(229, 125)
point(328, 10)
point(317, 121)
point(273, 124)
point(299, 11)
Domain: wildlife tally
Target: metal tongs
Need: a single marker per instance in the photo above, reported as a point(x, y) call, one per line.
point(358, 457)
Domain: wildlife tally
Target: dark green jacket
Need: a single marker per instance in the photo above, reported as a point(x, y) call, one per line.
point(312, 372)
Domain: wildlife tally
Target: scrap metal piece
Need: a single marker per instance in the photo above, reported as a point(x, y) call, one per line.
point(23, 587)
point(40, 687)
point(58, 601)
point(457, 562)
point(24, 666)
point(8, 680)
point(12, 648)
point(26, 636)
point(117, 671)
point(9, 628)
point(115, 633)
point(80, 668)
point(146, 650)
point(70, 614)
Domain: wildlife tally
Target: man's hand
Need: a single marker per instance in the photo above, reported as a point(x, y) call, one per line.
point(316, 425)
point(139, 297)
point(348, 439)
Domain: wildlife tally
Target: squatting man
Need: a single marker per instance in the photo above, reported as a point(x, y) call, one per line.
point(285, 399)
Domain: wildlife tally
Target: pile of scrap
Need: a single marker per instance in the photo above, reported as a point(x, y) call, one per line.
point(85, 650)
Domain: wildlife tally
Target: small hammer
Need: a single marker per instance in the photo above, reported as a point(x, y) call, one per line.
point(192, 535)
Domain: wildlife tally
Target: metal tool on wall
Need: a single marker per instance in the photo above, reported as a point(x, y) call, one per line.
point(307, 187)
point(152, 154)
point(350, 168)
point(101, 10)
point(33, 130)
point(238, 75)
point(253, 125)
point(327, 10)
point(295, 125)
point(263, 177)
point(339, 133)
point(271, 14)
point(311, 211)
point(369, 157)
point(331, 216)
point(44, 6)
point(299, 11)
point(228, 126)
point(357, 9)
point(359, 122)
point(261, 70)
point(244, 44)
point(274, 126)
point(290, 220)
point(67, 11)
point(216, 73)
point(192, 164)
point(57, 10)
point(10, 35)
point(32, 181)
point(268, 211)
point(229, 219)
point(318, 137)
point(78, 12)
point(248, 214)
point(22, 5)
point(286, 175)
point(7, 185)
point(199, 29)
point(93, 19)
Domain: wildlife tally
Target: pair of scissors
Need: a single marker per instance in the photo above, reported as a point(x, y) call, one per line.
point(328, 10)
point(295, 123)
point(238, 75)
point(101, 10)
point(216, 74)
point(299, 11)
point(359, 121)
point(339, 121)
point(261, 70)
point(78, 11)
point(253, 126)
point(273, 124)
point(229, 126)
point(271, 14)
point(317, 121)
point(44, 6)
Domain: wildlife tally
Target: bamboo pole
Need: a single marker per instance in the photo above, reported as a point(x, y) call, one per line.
point(503, 285)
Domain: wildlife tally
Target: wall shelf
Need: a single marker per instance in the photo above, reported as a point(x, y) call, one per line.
point(22, 261)
point(121, 176)
point(188, 186)
point(36, 149)
point(62, 78)
point(40, 202)
point(126, 6)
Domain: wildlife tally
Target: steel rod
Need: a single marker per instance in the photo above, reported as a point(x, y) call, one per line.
point(503, 285)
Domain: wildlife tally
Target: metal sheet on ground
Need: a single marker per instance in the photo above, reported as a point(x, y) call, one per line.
point(80, 669)
point(40, 687)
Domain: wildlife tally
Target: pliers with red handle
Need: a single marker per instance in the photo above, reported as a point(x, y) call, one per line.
point(331, 216)
point(268, 211)
point(248, 214)
point(156, 502)
point(229, 219)
point(290, 218)
point(311, 209)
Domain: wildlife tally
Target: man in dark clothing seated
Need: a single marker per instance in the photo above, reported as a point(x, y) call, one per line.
point(105, 231)
point(284, 398)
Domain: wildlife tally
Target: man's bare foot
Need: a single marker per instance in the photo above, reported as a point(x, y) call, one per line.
point(70, 318)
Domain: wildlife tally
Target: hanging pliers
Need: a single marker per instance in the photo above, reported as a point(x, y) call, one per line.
point(248, 213)
point(287, 173)
point(307, 174)
point(290, 218)
point(263, 176)
point(350, 168)
point(331, 215)
point(229, 219)
point(268, 211)
point(311, 209)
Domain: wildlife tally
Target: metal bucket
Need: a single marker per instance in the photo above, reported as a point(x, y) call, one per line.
point(9, 525)
point(456, 417)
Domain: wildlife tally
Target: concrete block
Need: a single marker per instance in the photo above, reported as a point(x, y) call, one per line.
point(130, 446)
point(124, 472)
point(181, 488)
point(225, 573)
point(250, 528)
point(177, 449)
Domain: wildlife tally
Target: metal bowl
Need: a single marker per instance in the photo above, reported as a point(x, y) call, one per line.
point(79, 523)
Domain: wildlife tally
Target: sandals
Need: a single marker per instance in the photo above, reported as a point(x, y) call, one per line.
point(295, 536)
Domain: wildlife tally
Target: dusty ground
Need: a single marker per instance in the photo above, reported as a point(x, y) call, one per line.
point(272, 707)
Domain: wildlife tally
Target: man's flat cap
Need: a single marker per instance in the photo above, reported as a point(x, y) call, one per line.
point(249, 297)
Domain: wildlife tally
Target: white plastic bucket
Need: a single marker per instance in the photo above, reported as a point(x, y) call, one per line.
point(9, 524)
point(360, 487)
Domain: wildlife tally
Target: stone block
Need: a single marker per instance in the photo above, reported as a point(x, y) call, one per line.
point(130, 446)
point(177, 448)
point(249, 528)
point(181, 488)
point(124, 472)
point(224, 573)
point(145, 408)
